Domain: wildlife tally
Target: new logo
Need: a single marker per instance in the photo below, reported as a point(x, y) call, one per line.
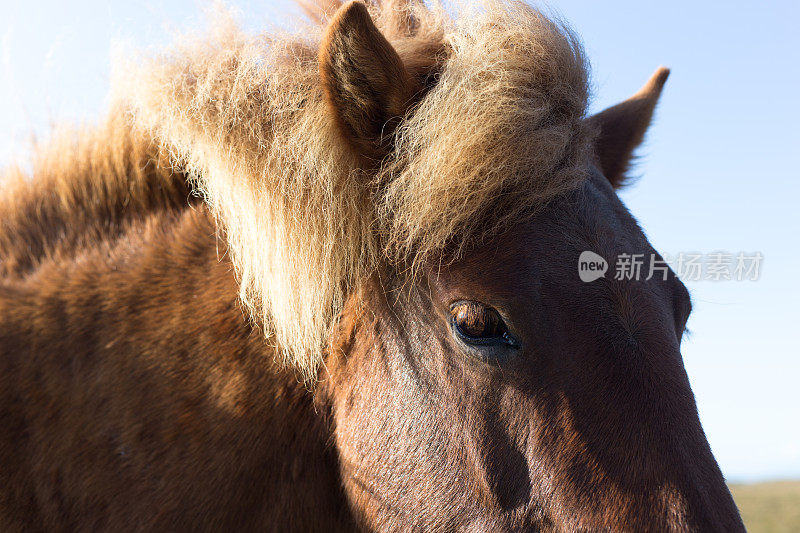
point(591, 266)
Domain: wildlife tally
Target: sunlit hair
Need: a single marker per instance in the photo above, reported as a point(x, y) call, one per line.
point(498, 132)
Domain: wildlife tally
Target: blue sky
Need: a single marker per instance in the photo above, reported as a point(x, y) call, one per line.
point(719, 170)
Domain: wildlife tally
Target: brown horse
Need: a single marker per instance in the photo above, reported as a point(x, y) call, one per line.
point(371, 315)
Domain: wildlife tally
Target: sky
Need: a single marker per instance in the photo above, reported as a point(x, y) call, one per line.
point(718, 171)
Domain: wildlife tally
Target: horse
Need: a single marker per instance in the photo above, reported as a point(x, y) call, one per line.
point(328, 281)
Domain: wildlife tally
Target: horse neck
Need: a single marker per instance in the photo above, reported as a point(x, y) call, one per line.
point(173, 340)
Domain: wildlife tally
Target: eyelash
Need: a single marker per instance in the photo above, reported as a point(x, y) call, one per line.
point(504, 340)
point(505, 337)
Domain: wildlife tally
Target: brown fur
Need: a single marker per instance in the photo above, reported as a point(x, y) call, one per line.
point(163, 411)
point(143, 331)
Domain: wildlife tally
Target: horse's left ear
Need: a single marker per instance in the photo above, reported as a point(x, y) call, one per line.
point(621, 128)
point(364, 80)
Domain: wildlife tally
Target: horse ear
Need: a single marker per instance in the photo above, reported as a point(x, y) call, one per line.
point(364, 81)
point(621, 128)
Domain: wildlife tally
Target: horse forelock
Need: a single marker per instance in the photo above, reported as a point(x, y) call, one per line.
point(498, 132)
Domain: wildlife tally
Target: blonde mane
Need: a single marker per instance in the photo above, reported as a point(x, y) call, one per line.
point(498, 132)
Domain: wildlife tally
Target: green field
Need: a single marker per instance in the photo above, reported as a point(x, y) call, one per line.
point(769, 507)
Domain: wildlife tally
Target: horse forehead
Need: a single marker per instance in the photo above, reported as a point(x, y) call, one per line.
point(546, 248)
point(590, 222)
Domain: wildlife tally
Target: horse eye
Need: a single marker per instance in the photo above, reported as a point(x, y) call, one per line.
point(479, 324)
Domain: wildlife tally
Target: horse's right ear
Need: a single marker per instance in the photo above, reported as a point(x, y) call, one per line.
point(365, 83)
